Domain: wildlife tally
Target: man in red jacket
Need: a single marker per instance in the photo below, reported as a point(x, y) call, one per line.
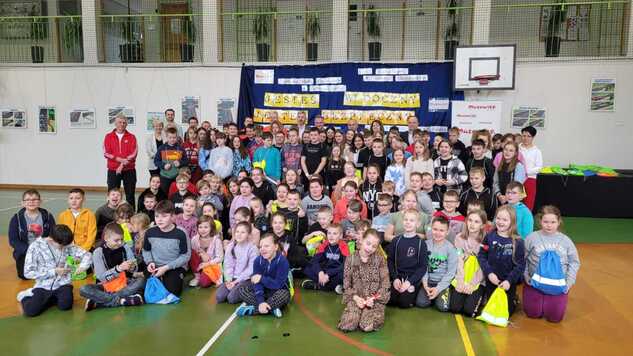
point(120, 149)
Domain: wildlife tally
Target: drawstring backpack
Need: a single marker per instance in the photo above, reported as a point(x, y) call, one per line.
point(549, 277)
point(73, 264)
point(496, 310)
point(471, 265)
point(156, 293)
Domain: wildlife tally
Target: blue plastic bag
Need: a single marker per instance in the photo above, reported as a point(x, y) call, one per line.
point(156, 293)
point(549, 277)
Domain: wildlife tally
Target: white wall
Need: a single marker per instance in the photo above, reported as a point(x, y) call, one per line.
point(74, 157)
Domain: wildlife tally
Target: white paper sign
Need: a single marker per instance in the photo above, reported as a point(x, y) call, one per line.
point(295, 81)
point(476, 115)
point(329, 80)
point(412, 78)
point(378, 78)
point(328, 88)
point(364, 71)
point(383, 71)
point(438, 104)
point(264, 76)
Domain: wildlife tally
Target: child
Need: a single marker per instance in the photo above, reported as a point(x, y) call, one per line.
point(510, 169)
point(350, 174)
point(169, 157)
point(205, 196)
point(241, 159)
point(209, 210)
point(123, 214)
point(191, 188)
point(27, 225)
point(267, 291)
point(325, 271)
point(81, 221)
point(466, 292)
point(45, 262)
point(459, 148)
point(105, 213)
point(378, 157)
point(389, 188)
point(148, 205)
point(315, 200)
point(349, 223)
point(479, 160)
point(140, 223)
point(395, 171)
point(238, 264)
point(497, 140)
point(381, 221)
point(450, 213)
point(396, 221)
point(478, 191)
point(533, 159)
point(370, 188)
point(313, 156)
point(154, 189)
point(262, 187)
point(350, 193)
point(291, 152)
point(525, 221)
point(221, 157)
point(282, 199)
point(187, 220)
point(113, 259)
point(537, 304)
point(434, 193)
point(441, 269)
point(178, 198)
point(206, 252)
point(334, 167)
point(260, 220)
point(317, 231)
point(291, 178)
point(407, 261)
point(366, 286)
point(244, 214)
point(242, 200)
point(502, 256)
point(450, 172)
point(166, 249)
point(268, 158)
point(420, 161)
point(297, 226)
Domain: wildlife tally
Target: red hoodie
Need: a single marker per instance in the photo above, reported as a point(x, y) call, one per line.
point(125, 148)
point(340, 209)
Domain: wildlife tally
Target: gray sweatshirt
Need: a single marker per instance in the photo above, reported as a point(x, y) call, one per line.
point(102, 272)
point(442, 263)
point(171, 248)
point(537, 242)
point(425, 204)
point(312, 206)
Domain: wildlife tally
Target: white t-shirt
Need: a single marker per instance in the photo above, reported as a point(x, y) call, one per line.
point(533, 159)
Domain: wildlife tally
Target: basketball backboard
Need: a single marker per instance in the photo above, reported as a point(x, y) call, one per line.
point(484, 67)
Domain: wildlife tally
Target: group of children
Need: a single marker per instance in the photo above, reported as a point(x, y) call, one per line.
point(395, 230)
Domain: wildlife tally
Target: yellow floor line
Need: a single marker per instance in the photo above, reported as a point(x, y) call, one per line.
point(464, 334)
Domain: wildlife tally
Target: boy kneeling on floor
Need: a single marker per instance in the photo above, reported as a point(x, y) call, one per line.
point(45, 262)
point(118, 283)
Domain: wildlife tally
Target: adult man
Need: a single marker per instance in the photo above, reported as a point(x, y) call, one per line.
point(413, 124)
point(120, 149)
point(301, 122)
point(318, 122)
point(170, 116)
point(352, 125)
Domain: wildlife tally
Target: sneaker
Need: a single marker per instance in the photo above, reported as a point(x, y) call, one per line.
point(308, 284)
point(338, 289)
point(244, 310)
point(90, 305)
point(277, 313)
point(25, 293)
point(194, 282)
point(132, 300)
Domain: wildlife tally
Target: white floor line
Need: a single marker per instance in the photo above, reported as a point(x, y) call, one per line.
point(19, 206)
point(218, 333)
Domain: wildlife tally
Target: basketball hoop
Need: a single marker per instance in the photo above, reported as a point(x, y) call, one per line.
point(485, 79)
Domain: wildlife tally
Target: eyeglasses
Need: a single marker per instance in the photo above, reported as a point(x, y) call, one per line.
point(386, 204)
point(31, 200)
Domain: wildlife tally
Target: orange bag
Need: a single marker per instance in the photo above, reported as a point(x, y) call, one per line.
point(214, 272)
point(115, 285)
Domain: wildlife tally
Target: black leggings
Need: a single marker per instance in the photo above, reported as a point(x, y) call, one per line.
point(403, 300)
point(467, 304)
point(43, 299)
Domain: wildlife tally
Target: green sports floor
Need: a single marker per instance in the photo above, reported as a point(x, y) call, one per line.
point(309, 323)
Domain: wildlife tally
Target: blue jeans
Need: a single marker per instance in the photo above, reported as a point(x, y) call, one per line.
point(105, 299)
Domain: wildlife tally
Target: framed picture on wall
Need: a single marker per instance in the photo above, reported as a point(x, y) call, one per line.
point(190, 107)
point(46, 120)
point(14, 118)
point(127, 111)
point(82, 118)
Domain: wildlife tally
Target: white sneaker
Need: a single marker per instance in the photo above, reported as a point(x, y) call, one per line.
point(194, 282)
point(338, 289)
point(25, 293)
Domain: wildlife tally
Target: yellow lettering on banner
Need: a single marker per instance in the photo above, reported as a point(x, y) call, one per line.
point(387, 100)
point(290, 100)
point(366, 117)
point(287, 117)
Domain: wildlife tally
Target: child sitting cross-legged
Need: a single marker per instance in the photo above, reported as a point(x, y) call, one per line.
point(366, 286)
point(267, 291)
point(45, 262)
point(207, 253)
point(441, 268)
point(114, 266)
point(238, 264)
point(325, 270)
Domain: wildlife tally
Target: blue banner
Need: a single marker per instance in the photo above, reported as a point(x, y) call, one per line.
point(344, 91)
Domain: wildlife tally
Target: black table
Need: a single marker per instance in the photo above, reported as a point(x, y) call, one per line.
point(597, 197)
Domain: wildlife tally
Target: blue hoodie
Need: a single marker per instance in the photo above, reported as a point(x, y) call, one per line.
point(272, 157)
point(525, 220)
point(274, 275)
point(497, 256)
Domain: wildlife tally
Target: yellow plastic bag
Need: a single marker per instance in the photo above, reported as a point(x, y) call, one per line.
point(471, 265)
point(496, 310)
